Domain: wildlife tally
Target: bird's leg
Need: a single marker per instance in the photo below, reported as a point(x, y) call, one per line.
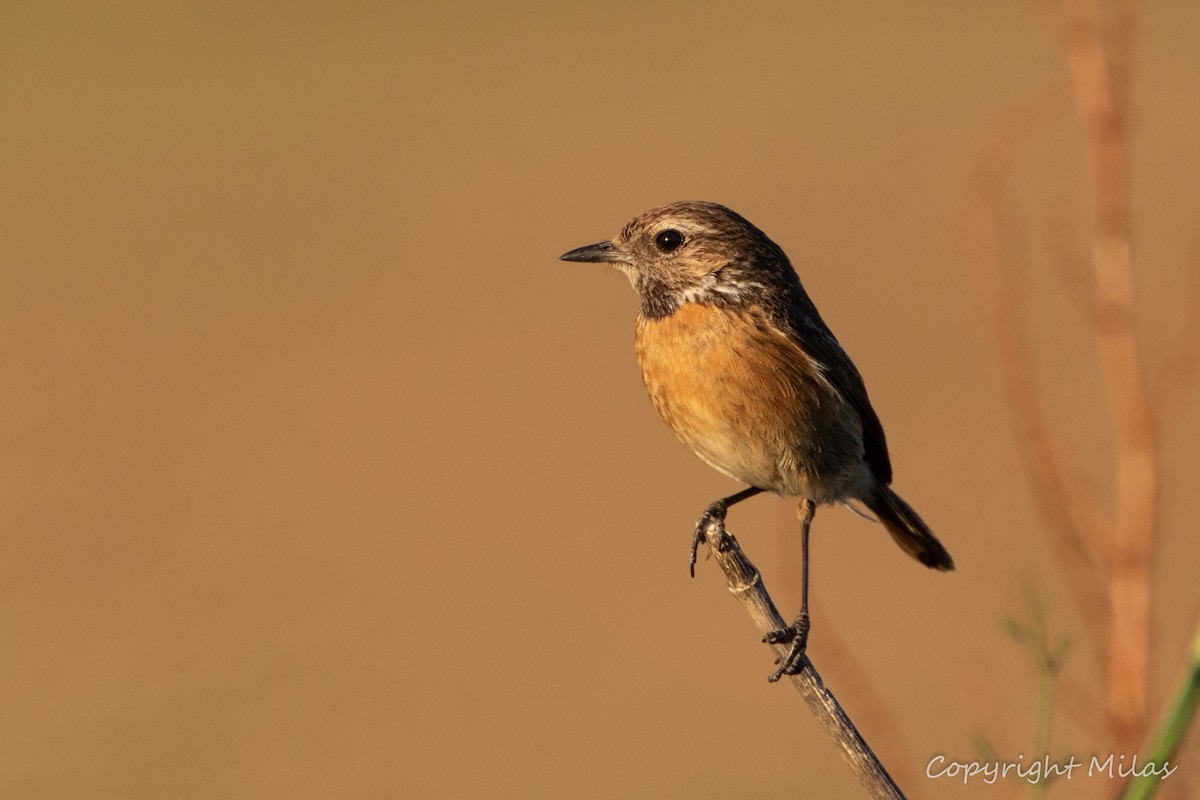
point(716, 513)
point(797, 632)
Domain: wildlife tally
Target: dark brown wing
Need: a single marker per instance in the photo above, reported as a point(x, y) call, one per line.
point(812, 334)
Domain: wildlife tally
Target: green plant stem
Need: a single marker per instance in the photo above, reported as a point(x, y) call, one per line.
point(1041, 736)
point(1172, 728)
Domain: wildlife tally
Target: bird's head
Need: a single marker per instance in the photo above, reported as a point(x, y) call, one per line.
point(694, 252)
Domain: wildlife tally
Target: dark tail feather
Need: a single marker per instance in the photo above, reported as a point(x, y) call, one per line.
point(908, 529)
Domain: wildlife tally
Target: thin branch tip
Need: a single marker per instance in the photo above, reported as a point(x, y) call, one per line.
point(745, 582)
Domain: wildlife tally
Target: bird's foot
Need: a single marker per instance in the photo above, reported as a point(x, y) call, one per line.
point(715, 513)
point(797, 635)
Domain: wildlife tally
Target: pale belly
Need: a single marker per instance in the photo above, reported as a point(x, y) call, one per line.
point(750, 403)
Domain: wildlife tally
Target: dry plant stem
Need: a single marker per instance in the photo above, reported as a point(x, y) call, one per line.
point(1108, 559)
point(1098, 80)
point(746, 584)
point(1060, 488)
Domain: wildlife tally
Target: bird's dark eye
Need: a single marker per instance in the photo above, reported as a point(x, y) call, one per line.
point(668, 240)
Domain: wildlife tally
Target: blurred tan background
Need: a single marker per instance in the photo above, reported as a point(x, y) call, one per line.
point(320, 476)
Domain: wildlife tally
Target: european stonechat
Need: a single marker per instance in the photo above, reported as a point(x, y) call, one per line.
point(743, 369)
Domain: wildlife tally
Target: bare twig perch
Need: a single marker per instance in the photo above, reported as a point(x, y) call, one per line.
point(746, 584)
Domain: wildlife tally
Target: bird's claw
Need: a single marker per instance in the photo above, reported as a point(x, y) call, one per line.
point(797, 635)
point(715, 513)
point(781, 636)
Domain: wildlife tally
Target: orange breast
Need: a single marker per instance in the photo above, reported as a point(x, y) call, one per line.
point(749, 401)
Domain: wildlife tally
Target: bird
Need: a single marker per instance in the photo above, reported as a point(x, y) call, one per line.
point(740, 365)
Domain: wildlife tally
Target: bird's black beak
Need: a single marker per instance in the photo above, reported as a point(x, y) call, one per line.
point(598, 252)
